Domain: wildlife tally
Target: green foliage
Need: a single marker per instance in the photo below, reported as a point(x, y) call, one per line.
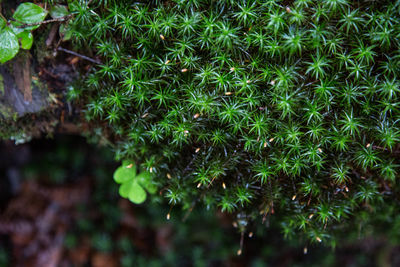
point(58, 11)
point(8, 44)
point(286, 109)
point(29, 13)
point(17, 32)
point(132, 185)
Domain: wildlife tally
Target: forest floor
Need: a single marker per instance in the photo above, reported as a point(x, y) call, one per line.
point(59, 206)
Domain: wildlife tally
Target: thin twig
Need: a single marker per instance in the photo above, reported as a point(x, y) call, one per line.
point(2, 15)
point(78, 55)
point(209, 184)
point(45, 21)
point(189, 211)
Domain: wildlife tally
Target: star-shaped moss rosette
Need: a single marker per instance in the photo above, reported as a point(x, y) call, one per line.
point(132, 184)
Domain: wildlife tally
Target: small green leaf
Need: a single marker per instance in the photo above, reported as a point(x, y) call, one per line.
point(145, 179)
point(8, 44)
point(124, 189)
point(133, 191)
point(65, 32)
point(125, 172)
point(131, 185)
point(150, 187)
point(137, 194)
point(29, 13)
point(58, 11)
point(14, 26)
point(26, 39)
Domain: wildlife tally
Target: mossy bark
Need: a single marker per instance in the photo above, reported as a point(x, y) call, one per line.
point(21, 91)
point(32, 85)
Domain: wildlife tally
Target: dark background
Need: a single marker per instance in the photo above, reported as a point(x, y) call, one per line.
point(59, 206)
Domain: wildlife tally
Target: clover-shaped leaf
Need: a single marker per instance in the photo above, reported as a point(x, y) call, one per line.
point(145, 179)
point(125, 172)
point(132, 185)
point(132, 191)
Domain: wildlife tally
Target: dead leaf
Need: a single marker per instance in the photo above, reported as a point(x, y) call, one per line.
point(104, 260)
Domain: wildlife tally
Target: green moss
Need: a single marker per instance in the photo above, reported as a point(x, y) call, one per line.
point(1, 85)
point(41, 51)
point(285, 110)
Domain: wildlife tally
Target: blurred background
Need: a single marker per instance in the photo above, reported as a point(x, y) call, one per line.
point(59, 206)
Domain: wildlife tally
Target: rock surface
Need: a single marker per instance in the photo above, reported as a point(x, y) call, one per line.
point(20, 91)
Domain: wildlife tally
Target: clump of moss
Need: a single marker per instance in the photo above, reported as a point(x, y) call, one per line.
point(286, 109)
